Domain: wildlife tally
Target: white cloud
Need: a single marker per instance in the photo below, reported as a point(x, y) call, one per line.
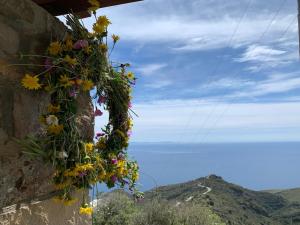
point(197, 25)
point(168, 121)
point(259, 53)
point(150, 69)
point(157, 84)
point(226, 83)
point(265, 57)
point(242, 88)
point(274, 84)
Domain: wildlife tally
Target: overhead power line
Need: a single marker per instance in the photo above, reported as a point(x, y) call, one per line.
point(234, 99)
point(260, 38)
point(219, 63)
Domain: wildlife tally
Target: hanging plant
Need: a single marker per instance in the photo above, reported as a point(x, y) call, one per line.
point(76, 65)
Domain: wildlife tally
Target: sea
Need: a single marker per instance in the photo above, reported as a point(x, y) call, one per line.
point(257, 166)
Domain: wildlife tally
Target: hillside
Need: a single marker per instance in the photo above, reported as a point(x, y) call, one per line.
point(234, 204)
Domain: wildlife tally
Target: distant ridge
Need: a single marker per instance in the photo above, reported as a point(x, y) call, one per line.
point(234, 204)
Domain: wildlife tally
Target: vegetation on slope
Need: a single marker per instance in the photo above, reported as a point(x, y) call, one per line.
point(119, 209)
point(209, 200)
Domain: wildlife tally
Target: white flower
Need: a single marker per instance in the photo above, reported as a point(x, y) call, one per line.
point(52, 120)
point(62, 155)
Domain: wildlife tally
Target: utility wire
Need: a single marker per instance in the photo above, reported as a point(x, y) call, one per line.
point(235, 99)
point(212, 111)
point(220, 63)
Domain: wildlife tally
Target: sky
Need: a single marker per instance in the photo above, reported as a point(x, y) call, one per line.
point(210, 71)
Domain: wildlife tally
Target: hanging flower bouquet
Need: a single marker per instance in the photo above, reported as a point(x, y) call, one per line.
point(73, 66)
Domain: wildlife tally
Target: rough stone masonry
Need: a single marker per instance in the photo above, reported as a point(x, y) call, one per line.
point(24, 183)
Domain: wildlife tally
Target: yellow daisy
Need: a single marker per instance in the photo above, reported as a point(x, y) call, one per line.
point(86, 210)
point(103, 21)
point(65, 81)
point(55, 129)
point(130, 75)
point(53, 108)
point(71, 61)
point(87, 85)
point(89, 147)
point(115, 38)
point(68, 44)
point(31, 82)
point(55, 48)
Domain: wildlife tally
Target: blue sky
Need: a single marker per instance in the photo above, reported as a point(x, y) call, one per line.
point(210, 71)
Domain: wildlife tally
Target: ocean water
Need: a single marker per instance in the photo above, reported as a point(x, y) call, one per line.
point(257, 166)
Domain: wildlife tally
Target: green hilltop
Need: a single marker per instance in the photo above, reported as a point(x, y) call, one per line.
point(205, 201)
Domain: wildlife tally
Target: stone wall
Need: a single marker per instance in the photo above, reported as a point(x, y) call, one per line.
point(26, 28)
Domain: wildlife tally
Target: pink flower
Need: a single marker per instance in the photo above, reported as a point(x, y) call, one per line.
point(129, 104)
point(98, 112)
point(129, 133)
point(99, 135)
point(101, 100)
point(73, 93)
point(114, 161)
point(114, 178)
point(80, 44)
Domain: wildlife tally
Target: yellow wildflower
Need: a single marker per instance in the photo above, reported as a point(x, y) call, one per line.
point(94, 5)
point(130, 123)
point(68, 44)
point(65, 81)
point(78, 81)
point(135, 176)
point(101, 25)
point(70, 173)
point(89, 147)
point(88, 49)
point(130, 75)
point(55, 129)
point(101, 144)
point(71, 61)
point(98, 29)
point(31, 82)
point(87, 85)
point(53, 108)
point(103, 48)
point(122, 168)
point(102, 175)
point(103, 21)
point(86, 210)
point(55, 48)
point(115, 38)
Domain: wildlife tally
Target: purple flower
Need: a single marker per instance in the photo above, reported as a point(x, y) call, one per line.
point(80, 44)
point(129, 133)
point(99, 134)
point(129, 104)
point(114, 161)
point(101, 100)
point(82, 174)
point(98, 112)
point(48, 64)
point(114, 178)
point(73, 93)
